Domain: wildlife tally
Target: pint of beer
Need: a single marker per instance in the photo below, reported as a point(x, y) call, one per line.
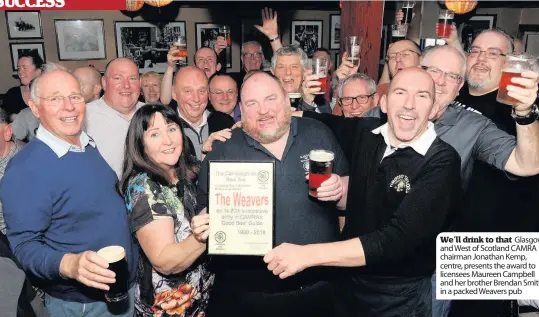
point(181, 44)
point(408, 10)
point(294, 99)
point(320, 169)
point(115, 256)
point(320, 69)
point(445, 20)
point(513, 67)
point(353, 48)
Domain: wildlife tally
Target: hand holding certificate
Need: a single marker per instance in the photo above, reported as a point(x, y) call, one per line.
point(241, 207)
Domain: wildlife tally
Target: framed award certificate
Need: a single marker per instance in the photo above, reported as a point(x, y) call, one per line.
point(241, 204)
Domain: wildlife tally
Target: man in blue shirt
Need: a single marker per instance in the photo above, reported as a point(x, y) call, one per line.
point(74, 209)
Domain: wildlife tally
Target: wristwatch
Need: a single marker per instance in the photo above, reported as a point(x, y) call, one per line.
point(274, 39)
point(527, 119)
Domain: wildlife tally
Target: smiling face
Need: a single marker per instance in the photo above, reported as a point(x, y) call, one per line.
point(122, 85)
point(252, 58)
point(163, 142)
point(357, 88)
point(449, 61)
point(223, 94)
point(191, 93)
point(151, 88)
point(289, 70)
point(58, 107)
point(409, 105)
point(265, 109)
point(206, 59)
point(484, 74)
point(26, 70)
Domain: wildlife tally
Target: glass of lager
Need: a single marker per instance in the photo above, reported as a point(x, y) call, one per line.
point(513, 67)
point(115, 256)
point(320, 169)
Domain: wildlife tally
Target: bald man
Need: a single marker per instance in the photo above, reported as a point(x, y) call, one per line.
point(201, 126)
point(90, 81)
point(404, 184)
point(108, 118)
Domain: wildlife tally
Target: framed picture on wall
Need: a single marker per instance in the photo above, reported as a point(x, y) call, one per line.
point(474, 26)
point(206, 34)
point(147, 44)
point(335, 31)
point(307, 34)
point(80, 39)
point(24, 25)
point(17, 49)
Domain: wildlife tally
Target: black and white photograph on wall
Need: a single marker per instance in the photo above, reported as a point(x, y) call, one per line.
point(24, 25)
point(335, 29)
point(307, 34)
point(250, 33)
point(18, 49)
point(471, 28)
point(147, 44)
point(206, 34)
point(80, 39)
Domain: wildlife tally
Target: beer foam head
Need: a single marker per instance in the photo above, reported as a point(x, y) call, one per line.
point(112, 254)
point(321, 156)
point(294, 95)
point(515, 69)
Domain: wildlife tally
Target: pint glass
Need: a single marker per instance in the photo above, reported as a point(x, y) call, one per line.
point(181, 44)
point(352, 48)
point(513, 67)
point(294, 99)
point(320, 69)
point(445, 20)
point(115, 256)
point(320, 169)
point(408, 11)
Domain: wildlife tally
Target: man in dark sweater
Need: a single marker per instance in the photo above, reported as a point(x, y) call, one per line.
point(74, 208)
point(404, 184)
point(243, 286)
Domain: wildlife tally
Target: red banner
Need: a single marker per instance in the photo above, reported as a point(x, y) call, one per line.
point(62, 5)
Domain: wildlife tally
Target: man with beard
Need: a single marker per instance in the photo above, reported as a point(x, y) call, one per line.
point(404, 188)
point(243, 286)
point(494, 201)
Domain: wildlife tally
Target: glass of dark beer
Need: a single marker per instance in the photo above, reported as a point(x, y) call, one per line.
point(115, 256)
point(320, 169)
point(294, 97)
point(445, 20)
point(513, 67)
point(320, 69)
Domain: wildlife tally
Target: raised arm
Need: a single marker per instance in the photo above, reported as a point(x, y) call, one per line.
point(166, 83)
point(269, 28)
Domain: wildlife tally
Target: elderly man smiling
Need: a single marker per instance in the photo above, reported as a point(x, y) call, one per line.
point(74, 208)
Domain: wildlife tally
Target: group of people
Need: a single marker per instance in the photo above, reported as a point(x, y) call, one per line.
point(122, 159)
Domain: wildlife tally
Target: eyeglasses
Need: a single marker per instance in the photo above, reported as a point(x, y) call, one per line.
point(403, 54)
point(436, 73)
point(361, 99)
point(220, 93)
point(59, 100)
point(251, 55)
point(491, 53)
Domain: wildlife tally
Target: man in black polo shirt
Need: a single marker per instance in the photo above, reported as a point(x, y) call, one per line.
point(404, 186)
point(243, 286)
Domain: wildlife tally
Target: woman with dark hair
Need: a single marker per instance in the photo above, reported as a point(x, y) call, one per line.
point(28, 68)
point(159, 190)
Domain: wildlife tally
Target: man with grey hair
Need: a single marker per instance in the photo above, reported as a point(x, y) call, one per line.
point(357, 95)
point(252, 56)
point(108, 118)
point(288, 65)
point(72, 187)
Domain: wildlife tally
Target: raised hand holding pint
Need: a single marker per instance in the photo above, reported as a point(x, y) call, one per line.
point(513, 67)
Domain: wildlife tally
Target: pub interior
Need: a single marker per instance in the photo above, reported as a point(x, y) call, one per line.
point(127, 113)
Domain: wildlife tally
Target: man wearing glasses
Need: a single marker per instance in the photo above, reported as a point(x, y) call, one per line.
point(358, 95)
point(487, 206)
point(400, 55)
point(224, 95)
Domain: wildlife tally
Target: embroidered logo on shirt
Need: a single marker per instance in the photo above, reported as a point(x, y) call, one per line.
point(305, 162)
point(400, 183)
